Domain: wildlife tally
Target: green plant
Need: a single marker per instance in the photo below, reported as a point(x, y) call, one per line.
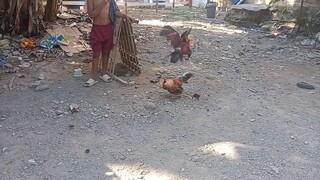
point(310, 21)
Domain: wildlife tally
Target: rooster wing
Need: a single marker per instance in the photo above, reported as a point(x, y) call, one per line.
point(172, 35)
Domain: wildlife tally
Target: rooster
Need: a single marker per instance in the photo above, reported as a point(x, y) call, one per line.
point(180, 43)
point(174, 86)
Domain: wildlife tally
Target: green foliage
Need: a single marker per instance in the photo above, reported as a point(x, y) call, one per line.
point(310, 22)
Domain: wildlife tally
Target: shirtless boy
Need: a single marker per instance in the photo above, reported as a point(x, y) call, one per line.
point(101, 36)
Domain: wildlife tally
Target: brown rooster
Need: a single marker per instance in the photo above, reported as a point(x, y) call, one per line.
point(180, 43)
point(174, 86)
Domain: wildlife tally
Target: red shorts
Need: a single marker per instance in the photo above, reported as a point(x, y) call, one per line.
point(101, 38)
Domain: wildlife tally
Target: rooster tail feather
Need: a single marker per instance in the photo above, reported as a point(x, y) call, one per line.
point(166, 30)
point(185, 34)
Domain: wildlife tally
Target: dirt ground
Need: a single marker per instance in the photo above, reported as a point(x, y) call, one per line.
point(251, 122)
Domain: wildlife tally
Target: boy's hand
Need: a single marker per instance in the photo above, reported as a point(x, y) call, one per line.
point(131, 20)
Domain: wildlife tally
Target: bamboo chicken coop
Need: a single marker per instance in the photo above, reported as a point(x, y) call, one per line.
point(124, 50)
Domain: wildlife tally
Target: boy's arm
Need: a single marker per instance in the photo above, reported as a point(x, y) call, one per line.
point(94, 12)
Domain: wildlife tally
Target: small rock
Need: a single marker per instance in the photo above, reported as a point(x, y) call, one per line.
point(71, 126)
point(16, 53)
point(24, 65)
point(59, 112)
point(74, 108)
point(87, 151)
point(312, 56)
point(55, 102)
point(150, 105)
point(266, 27)
point(41, 76)
point(21, 75)
point(196, 96)
point(122, 157)
point(275, 169)
point(5, 149)
point(94, 114)
point(69, 54)
point(307, 42)
point(252, 120)
point(42, 87)
point(32, 161)
point(210, 77)
point(7, 65)
point(14, 58)
point(129, 150)
point(106, 115)
point(305, 85)
point(36, 83)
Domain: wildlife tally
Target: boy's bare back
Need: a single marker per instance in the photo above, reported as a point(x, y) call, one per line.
point(99, 11)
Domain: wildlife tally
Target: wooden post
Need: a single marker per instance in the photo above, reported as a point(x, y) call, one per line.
point(126, 6)
point(51, 10)
point(157, 5)
point(190, 3)
point(300, 15)
point(173, 4)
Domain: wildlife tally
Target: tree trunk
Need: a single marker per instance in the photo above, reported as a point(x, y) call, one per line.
point(51, 10)
point(19, 16)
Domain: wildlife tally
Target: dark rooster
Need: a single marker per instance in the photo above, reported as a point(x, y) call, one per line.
point(174, 86)
point(180, 43)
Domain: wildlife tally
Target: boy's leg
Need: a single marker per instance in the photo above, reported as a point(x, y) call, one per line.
point(96, 46)
point(105, 61)
point(95, 64)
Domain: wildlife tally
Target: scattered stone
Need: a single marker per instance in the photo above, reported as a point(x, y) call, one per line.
point(16, 53)
point(42, 87)
point(55, 102)
point(59, 112)
point(21, 75)
point(210, 77)
point(41, 76)
point(71, 126)
point(106, 115)
point(36, 83)
point(150, 105)
point(305, 85)
point(155, 80)
point(32, 161)
point(275, 169)
point(196, 96)
point(69, 54)
point(7, 65)
point(5, 149)
point(307, 42)
point(87, 151)
point(74, 108)
point(24, 65)
point(252, 120)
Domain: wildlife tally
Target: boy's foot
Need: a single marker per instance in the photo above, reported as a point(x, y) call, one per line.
point(106, 78)
point(90, 83)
